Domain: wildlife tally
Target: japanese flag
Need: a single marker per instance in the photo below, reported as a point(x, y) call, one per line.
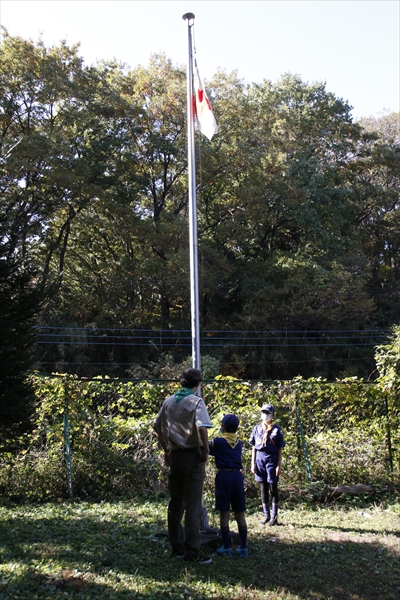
point(205, 119)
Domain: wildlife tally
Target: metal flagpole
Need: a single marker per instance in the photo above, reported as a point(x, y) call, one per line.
point(194, 290)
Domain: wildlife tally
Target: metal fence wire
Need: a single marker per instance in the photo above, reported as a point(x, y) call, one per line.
point(94, 438)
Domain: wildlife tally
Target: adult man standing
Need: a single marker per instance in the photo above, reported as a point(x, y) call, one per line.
point(182, 429)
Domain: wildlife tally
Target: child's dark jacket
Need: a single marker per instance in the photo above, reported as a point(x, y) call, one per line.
point(226, 457)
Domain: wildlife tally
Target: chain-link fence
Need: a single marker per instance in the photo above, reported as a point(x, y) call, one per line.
point(94, 438)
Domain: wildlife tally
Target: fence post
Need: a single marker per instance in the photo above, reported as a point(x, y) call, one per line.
point(389, 434)
point(303, 442)
point(67, 446)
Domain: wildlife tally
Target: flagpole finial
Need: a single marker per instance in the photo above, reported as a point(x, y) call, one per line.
point(188, 16)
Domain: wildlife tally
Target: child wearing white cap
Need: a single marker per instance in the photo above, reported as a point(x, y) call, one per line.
point(267, 441)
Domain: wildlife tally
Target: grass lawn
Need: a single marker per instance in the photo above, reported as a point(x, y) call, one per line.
point(117, 550)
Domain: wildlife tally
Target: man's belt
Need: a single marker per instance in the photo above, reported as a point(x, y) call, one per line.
point(228, 469)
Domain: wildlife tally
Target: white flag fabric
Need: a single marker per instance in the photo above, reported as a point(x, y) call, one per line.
point(205, 119)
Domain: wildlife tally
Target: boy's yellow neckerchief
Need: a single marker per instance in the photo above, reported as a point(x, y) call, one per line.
point(231, 438)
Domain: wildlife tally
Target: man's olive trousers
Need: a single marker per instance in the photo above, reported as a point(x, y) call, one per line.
point(186, 481)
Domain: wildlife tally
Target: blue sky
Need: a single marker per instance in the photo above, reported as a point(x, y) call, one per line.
point(351, 45)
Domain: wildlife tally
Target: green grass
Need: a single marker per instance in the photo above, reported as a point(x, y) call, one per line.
point(349, 551)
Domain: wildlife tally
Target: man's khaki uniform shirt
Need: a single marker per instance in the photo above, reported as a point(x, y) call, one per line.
point(180, 421)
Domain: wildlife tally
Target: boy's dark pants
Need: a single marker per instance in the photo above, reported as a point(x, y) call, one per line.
point(186, 480)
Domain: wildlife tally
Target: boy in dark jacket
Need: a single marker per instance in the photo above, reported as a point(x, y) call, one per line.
point(229, 484)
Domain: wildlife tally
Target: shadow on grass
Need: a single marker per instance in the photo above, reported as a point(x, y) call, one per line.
point(124, 557)
point(348, 530)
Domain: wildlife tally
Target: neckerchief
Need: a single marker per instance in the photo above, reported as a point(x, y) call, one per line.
point(268, 426)
point(231, 438)
point(182, 393)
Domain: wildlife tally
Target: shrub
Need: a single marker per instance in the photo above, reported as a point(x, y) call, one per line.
point(343, 427)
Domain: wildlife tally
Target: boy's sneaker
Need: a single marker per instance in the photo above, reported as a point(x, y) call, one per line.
point(224, 551)
point(273, 521)
point(242, 552)
point(176, 554)
point(200, 560)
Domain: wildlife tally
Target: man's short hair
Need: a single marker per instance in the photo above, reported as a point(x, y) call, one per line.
point(190, 378)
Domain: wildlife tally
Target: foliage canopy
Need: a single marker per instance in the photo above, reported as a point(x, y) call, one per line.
point(297, 212)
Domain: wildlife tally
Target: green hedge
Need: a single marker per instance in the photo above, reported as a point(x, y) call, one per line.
point(345, 432)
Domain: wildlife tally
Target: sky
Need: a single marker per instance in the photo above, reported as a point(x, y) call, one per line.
point(353, 46)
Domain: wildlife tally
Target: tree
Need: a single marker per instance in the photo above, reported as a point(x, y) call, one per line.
point(127, 253)
point(19, 306)
point(379, 222)
point(297, 206)
point(386, 125)
point(293, 175)
point(387, 358)
point(53, 152)
point(291, 200)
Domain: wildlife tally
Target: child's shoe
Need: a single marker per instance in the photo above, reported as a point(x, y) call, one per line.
point(224, 551)
point(242, 552)
point(265, 520)
point(273, 521)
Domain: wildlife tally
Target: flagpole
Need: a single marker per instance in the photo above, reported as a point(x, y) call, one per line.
point(194, 290)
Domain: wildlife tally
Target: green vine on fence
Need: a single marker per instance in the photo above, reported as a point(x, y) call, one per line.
point(344, 432)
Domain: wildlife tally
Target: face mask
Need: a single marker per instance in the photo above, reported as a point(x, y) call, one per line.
point(266, 416)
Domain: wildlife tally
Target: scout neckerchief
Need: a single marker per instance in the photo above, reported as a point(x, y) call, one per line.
point(231, 438)
point(268, 426)
point(182, 393)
